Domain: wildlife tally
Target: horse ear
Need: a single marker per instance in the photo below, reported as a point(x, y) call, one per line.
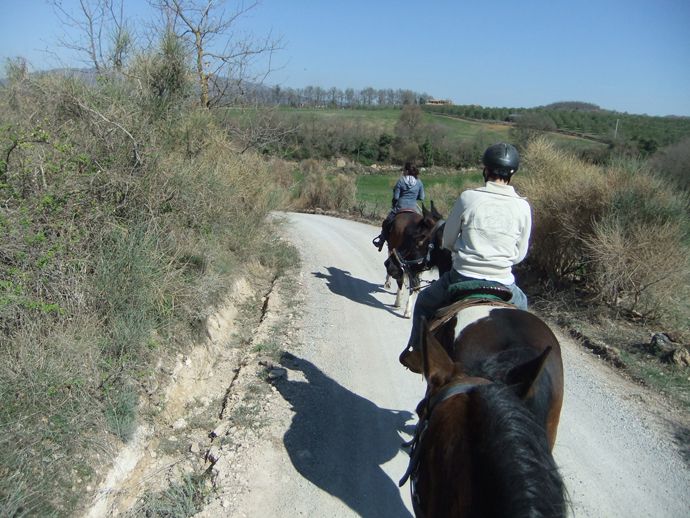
point(425, 212)
point(436, 214)
point(521, 378)
point(437, 365)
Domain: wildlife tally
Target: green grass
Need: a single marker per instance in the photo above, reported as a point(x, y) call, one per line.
point(467, 130)
point(182, 499)
point(378, 188)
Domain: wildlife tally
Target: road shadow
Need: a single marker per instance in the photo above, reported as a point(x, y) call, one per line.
point(338, 441)
point(342, 283)
point(681, 438)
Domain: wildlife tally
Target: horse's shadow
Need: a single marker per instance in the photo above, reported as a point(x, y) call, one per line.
point(338, 441)
point(342, 283)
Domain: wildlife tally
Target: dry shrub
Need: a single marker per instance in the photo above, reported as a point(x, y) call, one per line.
point(343, 192)
point(282, 173)
point(319, 190)
point(567, 197)
point(119, 232)
point(444, 196)
point(620, 229)
point(640, 267)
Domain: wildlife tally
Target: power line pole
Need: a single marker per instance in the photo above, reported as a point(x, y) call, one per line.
point(615, 132)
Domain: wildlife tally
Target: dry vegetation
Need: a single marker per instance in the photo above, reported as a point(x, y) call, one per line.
point(610, 253)
point(126, 213)
point(619, 231)
point(325, 191)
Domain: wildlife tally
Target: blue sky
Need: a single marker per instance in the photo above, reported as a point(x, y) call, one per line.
point(631, 56)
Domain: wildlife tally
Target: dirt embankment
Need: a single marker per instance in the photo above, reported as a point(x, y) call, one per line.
point(207, 408)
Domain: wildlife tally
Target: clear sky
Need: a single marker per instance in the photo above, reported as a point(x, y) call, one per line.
point(625, 55)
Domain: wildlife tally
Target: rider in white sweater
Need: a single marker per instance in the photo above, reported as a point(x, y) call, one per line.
point(487, 233)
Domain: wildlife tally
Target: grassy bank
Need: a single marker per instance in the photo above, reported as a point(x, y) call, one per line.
point(126, 216)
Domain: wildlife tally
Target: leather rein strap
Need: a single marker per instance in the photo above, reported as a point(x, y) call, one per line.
point(447, 392)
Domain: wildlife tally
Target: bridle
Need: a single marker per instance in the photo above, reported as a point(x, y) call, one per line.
point(424, 262)
point(429, 404)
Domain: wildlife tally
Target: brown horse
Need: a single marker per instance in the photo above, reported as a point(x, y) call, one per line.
point(488, 422)
point(408, 246)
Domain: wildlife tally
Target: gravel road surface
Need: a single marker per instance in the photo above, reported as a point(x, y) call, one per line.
point(348, 405)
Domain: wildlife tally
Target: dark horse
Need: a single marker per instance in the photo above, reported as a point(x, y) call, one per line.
point(408, 246)
point(488, 422)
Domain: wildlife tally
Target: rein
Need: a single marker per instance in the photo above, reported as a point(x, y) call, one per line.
point(444, 394)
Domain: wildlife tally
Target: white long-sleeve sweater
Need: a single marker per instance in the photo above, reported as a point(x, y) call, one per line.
point(488, 232)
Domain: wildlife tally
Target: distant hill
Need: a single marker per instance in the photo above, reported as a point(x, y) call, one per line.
point(575, 106)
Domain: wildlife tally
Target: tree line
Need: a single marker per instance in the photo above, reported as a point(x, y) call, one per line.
point(334, 97)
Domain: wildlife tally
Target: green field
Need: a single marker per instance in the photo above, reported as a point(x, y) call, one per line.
point(378, 189)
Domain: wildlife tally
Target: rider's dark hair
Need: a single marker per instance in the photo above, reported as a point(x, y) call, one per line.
point(410, 169)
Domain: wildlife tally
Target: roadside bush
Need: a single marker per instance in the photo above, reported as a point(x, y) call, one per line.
point(673, 163)
point(120, 231)
point(318, 190)
point(567, 196)
point(619, 230)
point(642, 268)
point(443, 198)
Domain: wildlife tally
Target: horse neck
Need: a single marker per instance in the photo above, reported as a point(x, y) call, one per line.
point(512, 464)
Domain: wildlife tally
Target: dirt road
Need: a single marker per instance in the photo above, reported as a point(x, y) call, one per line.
point(346, 405)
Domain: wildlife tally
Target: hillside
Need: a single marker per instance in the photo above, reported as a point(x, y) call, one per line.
point(645, 133)
point(383, 135)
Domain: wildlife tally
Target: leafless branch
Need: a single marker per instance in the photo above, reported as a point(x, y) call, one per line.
point(203, 22)
point(135, 146)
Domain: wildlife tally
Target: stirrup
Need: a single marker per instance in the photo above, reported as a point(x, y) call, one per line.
point(378, 242)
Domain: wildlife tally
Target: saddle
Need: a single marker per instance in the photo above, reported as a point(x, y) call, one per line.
point(472, 293)
point(479, 288)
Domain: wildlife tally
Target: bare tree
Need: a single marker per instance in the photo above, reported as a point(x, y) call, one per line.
point(224, 60)
point(101, 35)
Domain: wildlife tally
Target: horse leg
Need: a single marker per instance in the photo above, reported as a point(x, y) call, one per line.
point(412, 284)
point(399, 294)
point(387, 284)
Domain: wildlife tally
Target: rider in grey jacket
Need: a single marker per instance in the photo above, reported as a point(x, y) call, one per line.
point(408, 189)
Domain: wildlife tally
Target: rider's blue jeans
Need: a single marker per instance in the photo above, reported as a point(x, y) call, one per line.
point(435, 296)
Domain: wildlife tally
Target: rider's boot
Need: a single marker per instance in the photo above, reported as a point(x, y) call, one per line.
point(379, 241)
point(412, 359)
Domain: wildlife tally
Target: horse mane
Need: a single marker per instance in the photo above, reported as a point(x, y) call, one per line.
point(526, 482)
point(496, 367)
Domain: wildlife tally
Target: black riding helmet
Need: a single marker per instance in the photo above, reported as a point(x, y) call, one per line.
point(502, 159)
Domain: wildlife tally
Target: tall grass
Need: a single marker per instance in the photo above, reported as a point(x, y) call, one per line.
point(124, 219)
point(322, 191)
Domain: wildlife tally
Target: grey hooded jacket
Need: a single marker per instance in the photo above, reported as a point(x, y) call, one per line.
point(407, 191)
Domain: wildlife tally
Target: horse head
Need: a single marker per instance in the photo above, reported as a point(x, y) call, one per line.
point(420, 246)
point(478, 449)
